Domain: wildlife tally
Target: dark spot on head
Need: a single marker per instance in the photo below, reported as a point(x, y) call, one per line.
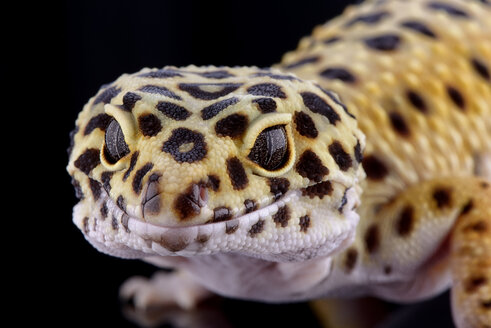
point(137, 179)
point(149, 125)
point(317, 105)
point(250, 205)
point(303, 61)
point(484, 185)
point(195, 89)
point(419, 27)
point(480, 226)
point(486, 304)
point(278, 187)
point(219, 74)
point(213, 110)
point(481, 68)
point(95, 187)
point(374, 168)
point(369, 19)
point(159, 90)
point(129, 101)
point(358, 152)
point(417, 101)
point(232, 126)
point(114, 223)
point(189, 203)
point(340, 156)
point(213, 182)
point(124, 222)
point(106, 180)
point(405, 223)
point(399, 124)
point(334, 97)
point(467, 207)
point(106, 95)
point(161, 73)
point(265, 105)
point(443, 197)
point(350, 259)
point(282, 217)
point(173, 111)
point(304, 223)
point(237, 174)
point(256, 228)
point(320, 190)
point(221, 213)
point(305, 125)
point(449, 9)
point(372, 239)
point(182, 136)
point(121, 202)
point(332, 40)
point(277, 76)
point(100, 121)
point(387, 269)
point(456, 97)
point(266, 90)
point(231, 227)
point(385, 42)
point(88, 160)
point(338, 73)
point(474, 283)
point(310, 166)
point(104, 210)
point(133, 160)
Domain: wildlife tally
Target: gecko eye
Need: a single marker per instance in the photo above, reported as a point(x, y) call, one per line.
point(270, 149)
point(116, 147)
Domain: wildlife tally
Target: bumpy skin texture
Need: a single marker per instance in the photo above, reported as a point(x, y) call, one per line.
point(417, 76)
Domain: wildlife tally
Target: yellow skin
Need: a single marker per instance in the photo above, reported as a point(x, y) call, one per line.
point(415, 74)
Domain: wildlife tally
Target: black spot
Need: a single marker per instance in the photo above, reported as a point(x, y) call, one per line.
point(159, 90)
point(456, 97)
point(232, 126)
point(486, 304)
point(195, 89)
point(442, 197)
point(332, 40)
point(405, 223)
point(95, 187)
point(386, 42)
point(304, 223)
point(282, 217)
point(479, 226)
point(340, 156)
point(149, 125)
point(344, 200)
point(320, 190)
point(417, 101)
point(305, 125)
point(133, 160)
point(104, 210)
point(121, 202)
point(445, 7)
point(237, 174)
point(137, 179)
point(399, 124)
point(303, 61)
point(161, 73)
point(358, 152)
point(100, 121)
point(106, 180)
point(182, 136)
point(277, 76)
point(310, 166)
point(419, 27)
point(266, 90)
point(106, 95)
point(173, 111)
point(221, 214)
point(250, 205)
point(213, 110)
point(317, 105)
point(278, 187)
point(372, 239)
point(474, 283)
point(481, 69)
point(338, 73)
point(114, 223)
point(189, 203)
point(88, 160)
point(467, 207)
point(335, 98)
point(129, 101)
point(220, 74)
point(231, 227)
point(124, 222)
point(213, 182)
point(266, 105)
point(256, 228)
point(350, 259)
point(387, 269)
point(374, 168)
point(369, 19)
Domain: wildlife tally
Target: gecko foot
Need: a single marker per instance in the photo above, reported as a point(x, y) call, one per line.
point(164, 289)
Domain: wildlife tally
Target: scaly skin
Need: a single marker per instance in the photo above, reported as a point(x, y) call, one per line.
point(171, 165)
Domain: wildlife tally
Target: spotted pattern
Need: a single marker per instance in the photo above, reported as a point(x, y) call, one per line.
point(318, 105)
point(310, 166)
point(340, 156)
point(338, 73)
point(149, 125)
point(305, 125)
point(385, 42)
point(200, 91)
point(173, 111)
point(232, 126)
point(237, 174)
point(374, 167)
point(266, 90)
point(180, 137)
point(214, 109)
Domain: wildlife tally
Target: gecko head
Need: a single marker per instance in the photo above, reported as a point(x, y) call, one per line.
point(200, 160)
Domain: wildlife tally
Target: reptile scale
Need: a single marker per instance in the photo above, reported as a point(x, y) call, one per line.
point(360, 164)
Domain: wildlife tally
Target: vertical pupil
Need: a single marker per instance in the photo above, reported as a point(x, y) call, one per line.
point(116, 147)
point(270, 148)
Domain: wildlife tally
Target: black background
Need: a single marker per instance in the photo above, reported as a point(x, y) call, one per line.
point(58, 54)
